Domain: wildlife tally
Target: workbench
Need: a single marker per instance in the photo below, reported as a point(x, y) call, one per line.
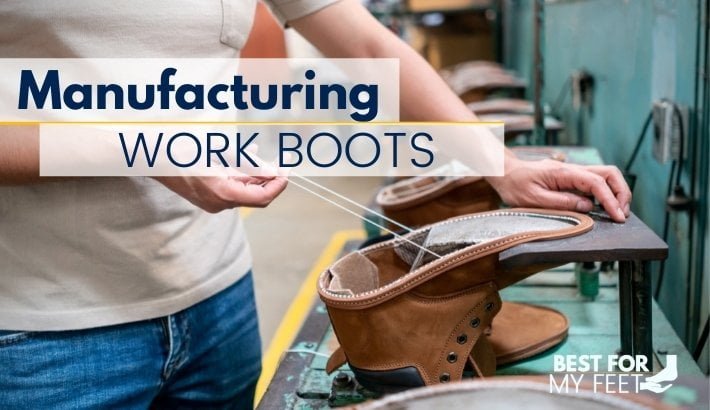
point(621, 319)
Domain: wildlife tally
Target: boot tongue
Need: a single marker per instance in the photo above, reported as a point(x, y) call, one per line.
point(353, 274)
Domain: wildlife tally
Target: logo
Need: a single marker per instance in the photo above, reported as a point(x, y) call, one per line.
point(669, 374)
point(615, 374)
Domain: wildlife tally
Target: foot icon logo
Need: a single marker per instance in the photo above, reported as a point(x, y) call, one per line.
point(669, 374)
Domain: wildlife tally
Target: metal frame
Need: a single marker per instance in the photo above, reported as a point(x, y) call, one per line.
point(635, 305)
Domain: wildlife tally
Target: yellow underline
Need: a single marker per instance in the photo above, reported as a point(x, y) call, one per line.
point(299, 309)
point(245, 212)
point(403, 123)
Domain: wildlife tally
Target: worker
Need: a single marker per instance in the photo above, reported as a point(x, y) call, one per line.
point(137, 292)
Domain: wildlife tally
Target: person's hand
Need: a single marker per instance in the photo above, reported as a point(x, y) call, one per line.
point(557, 185)
point(217, 193)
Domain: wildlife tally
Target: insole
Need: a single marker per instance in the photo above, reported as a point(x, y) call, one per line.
point(447, 237)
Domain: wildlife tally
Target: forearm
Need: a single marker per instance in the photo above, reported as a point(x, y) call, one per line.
point(347, 29)
point(19, 155)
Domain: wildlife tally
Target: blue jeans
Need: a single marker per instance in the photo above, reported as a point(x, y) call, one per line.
point(207, 356)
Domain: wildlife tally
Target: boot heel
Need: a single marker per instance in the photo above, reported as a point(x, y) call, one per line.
point(388, 381)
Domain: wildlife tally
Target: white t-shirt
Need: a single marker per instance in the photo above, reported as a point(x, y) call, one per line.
point(100, 251)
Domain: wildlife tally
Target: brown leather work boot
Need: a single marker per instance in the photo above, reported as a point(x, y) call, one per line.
point(424, 200)
point(427, 199)
point(512, 335)
point(412, 311)
point(522, 330)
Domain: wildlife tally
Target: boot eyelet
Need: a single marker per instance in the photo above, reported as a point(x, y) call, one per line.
point(461, 339)
point(444, 377)
point(452, 357)
point(489, 306)
point(475, 322)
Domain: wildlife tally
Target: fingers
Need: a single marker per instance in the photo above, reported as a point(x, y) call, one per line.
point(270, 190)
point(547, 183)
point(615, 179)
point(251, 191)
point(586, 181)
point(563, 200)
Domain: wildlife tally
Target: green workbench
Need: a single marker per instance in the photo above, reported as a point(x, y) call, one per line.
point(300, 381)
point(605, 325)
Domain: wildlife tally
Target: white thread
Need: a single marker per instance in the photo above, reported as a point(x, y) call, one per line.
point(343, 197)
point(396, 235)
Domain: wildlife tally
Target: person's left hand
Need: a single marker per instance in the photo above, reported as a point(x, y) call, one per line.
point(558, 185)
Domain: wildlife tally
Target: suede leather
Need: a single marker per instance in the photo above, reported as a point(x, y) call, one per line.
point(392, 335)
point(521, 330)
point(424, 200)
point(424, 317)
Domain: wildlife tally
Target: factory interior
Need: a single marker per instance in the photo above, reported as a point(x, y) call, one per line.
point(135, 275)
point(612, 82)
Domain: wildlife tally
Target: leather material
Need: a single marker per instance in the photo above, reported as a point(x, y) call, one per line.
point(521, 330)
point(336, 359)
point(474, 81)
point(424, 200)
point(433, 317)
point(388, 381)
point(482, 358)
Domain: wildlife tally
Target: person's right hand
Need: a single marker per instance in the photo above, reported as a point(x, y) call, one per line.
point(559, 185)
point(217, 193)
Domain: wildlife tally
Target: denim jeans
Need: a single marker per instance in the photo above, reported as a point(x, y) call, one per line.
point(207, 356)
